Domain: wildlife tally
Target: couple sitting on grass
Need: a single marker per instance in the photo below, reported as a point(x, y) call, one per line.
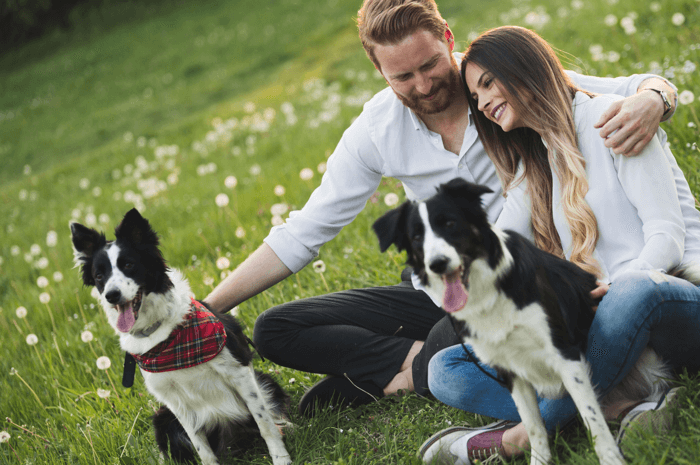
point(589, 177)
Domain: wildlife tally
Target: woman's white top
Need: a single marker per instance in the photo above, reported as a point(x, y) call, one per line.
point(641, 225)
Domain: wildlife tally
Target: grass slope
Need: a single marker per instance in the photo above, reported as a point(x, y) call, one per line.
point(172, 105)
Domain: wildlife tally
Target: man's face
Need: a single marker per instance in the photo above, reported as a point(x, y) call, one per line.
point(421, 71)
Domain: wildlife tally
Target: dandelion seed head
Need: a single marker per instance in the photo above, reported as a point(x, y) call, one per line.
point(391, 199)
point(44, 298)
point(230, 182)
point(321, 168)
point(51, 238)
point(279, 190)
point(223, 263)
point(255, 170)
point(86, 336)
point(240, 232)
point(15, 250)
point(279, 209)
point(42, 263)
point(42, 281)
point(319, 266)
point(306, 174)
point(686, 97)
point(610, 20)
point(222, 200)
point(32, 339)
point(57, 276)
point(276, 220)
point(103, 362)
point(35, 249)
point(103, 393)
point(655, 7)
point(4, 436)
point(678, 19)
point(84, 183)
point(21, 312)
point(208, 281)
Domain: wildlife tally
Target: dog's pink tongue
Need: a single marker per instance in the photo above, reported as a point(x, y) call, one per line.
point(126, 319)
point(455, 297)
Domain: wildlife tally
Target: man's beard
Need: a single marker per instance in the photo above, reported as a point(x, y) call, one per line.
point(446, 87)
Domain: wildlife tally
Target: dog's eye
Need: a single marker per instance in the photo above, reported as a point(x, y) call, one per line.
point(99, 277)
point(450, 224)
point(128, 265)
point(417, 237)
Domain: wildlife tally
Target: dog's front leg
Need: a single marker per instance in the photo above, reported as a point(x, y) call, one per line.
point(578, 384)
point(525, 399)
point(255, 401)
point(199, 441)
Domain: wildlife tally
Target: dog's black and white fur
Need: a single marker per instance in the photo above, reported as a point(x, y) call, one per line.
point(527, 314)
point(214, 408)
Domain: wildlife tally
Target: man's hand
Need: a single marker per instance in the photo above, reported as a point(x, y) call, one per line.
point(636, 119)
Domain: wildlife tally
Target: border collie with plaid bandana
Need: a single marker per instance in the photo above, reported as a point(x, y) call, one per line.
point(525, 312)
point(195, 361)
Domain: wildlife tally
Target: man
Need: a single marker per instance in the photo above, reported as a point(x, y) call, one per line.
point(377, 341)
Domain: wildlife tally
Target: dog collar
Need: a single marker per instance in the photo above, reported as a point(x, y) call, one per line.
point(196, 340)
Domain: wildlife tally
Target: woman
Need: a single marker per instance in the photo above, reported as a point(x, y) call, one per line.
point(619, 218)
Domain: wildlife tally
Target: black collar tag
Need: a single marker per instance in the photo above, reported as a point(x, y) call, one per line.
point(129, 370)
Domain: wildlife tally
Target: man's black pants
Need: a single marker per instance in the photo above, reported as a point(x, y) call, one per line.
point(365, 334)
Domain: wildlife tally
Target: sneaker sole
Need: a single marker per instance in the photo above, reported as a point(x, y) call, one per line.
point(441, 434)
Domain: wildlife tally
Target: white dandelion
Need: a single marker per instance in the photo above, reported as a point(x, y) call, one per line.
point(42, 281)
point(319, 266)
point(223, 263)
point(230, 182)
point(86, 336)
point(678, 19)
point(44, 298)
point(686, 97)
point(4, 436)
point(21, 312)
point(51, 239)
point(222, 200)
point(103, 362)
point(306, 174)
point(32, 339)
point(103, 393)
point(279, 190)
point(391, 199)
point(240, 232)
point(58, 276)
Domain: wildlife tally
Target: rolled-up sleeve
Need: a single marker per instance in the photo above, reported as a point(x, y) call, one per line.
point(353, 174)
point(624, 85)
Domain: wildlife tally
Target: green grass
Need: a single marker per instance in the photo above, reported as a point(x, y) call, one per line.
point(126, 110)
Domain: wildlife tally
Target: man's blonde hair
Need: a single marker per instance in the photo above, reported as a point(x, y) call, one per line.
point(388, 22)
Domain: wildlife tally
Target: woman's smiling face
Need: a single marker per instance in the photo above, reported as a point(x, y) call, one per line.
point(491, 100)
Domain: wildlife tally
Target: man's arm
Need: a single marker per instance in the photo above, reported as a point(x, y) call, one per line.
point(260, 271)
point(637, 117)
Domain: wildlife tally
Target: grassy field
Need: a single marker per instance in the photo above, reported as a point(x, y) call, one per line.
point(209, 116)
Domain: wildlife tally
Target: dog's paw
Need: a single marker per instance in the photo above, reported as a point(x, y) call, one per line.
point(281, 460)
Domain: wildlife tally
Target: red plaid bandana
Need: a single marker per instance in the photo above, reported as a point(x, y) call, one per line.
point(197, 340)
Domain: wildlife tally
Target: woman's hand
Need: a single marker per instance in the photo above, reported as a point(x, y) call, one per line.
point(599, 292)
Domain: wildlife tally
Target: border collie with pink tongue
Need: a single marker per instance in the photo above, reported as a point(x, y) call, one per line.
point(195, 361)
point(525, 312)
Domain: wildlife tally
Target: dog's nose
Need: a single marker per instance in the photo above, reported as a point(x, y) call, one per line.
point(113, 296)
point(439, 264)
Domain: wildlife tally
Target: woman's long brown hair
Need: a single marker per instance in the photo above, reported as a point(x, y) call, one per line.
point(534, 83)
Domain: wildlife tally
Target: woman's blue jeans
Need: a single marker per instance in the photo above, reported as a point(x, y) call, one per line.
point(642, 308)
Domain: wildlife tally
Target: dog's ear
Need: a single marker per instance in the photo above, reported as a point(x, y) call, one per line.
point(390, 228)
point(86, 242)
point(136, 229)
point(467, 196)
